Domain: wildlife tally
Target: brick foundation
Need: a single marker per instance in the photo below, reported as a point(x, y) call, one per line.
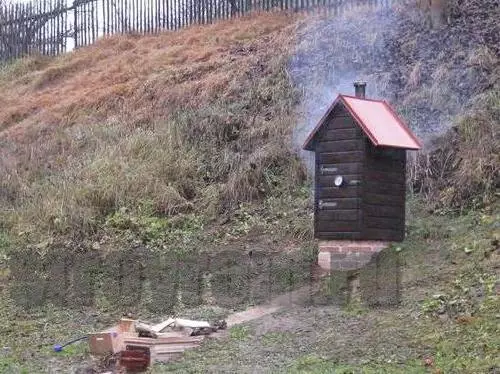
point(348, 254)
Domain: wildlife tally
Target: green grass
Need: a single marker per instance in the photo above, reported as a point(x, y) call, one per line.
point(448, 315)
point(5, 243)
point(239, 333)
point(314, 364)
point(276, 338)
point(28, 337)
point(18, 68)
point(449, 312)
point(11, 366)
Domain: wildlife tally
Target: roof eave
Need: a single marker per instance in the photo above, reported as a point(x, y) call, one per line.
point(405, 127)
point(409, 148)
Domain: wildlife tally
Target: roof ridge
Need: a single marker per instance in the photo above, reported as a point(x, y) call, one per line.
point(362, 98)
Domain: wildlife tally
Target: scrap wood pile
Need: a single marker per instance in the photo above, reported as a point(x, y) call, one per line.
point(139, 344)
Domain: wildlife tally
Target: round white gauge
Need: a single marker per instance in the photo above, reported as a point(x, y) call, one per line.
point(338, 181)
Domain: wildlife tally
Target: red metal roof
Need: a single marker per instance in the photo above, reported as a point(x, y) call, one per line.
point(378, 121)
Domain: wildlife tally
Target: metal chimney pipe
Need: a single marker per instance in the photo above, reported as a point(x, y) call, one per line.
point(359, 89)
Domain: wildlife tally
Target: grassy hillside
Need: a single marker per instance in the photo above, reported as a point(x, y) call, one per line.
point(161, 154)
point(201, 121)
point(196, 121)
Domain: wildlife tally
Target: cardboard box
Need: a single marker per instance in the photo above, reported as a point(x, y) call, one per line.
point(105, 342)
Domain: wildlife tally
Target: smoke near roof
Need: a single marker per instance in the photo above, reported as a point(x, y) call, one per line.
point(429, 75)
point(334, 52)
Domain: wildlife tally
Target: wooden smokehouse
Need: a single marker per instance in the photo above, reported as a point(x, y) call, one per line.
point(360, 160)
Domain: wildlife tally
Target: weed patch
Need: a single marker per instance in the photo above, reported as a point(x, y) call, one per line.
point(239, 333)
point(461, 171)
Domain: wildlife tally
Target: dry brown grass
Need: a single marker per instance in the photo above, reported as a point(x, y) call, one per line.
point(125, 74)
point(462, 167)
point(197, 120)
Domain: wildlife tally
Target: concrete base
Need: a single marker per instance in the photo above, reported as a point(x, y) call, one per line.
point(348, 254)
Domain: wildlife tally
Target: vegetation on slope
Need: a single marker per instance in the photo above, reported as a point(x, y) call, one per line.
point(200, 121)
point(462, 170)
point(447, 321)
point(190, 122)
